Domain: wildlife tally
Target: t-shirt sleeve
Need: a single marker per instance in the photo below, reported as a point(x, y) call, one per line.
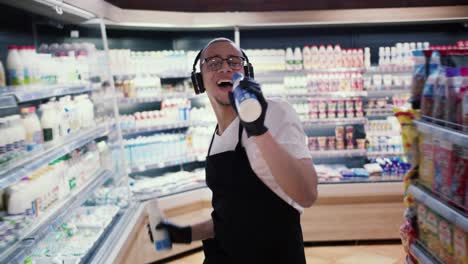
point(285, 126)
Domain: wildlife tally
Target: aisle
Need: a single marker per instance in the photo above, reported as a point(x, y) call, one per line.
point(382, 254)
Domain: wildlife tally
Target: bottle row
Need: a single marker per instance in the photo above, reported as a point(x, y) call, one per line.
point(161, 148)
point(58, 120)
point(54, 64)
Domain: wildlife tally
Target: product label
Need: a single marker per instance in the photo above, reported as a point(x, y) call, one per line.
point(459, 179)
point(13, 77)
point(443, 166)
point(445, 233)
point(460, 246)
point(48, 134)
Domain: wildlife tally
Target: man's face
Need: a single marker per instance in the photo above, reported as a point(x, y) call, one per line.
point(218, 81)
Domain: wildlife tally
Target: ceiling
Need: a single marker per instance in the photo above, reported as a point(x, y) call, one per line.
point(273, 5)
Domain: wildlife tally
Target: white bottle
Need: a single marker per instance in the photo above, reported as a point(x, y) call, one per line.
point(298, 59)
point(306, 55)
point(14, 66)
point(161, 237)
point(367, 58)
point(314, 56)
point(337, 57)
point(34, 138)
point(4, 140)
point(26, 61)
point(65, 115)
point(49, 124)
point(88, 117)
point(2, 75)
point(289, 59)
point(247, 104)
point(20, 133)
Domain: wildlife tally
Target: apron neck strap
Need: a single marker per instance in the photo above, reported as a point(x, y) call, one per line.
point(239, 139)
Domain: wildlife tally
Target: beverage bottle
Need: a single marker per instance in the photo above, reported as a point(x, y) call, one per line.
point(297, 59)
point(247, 104)
point(14, 66)
point(289, 59)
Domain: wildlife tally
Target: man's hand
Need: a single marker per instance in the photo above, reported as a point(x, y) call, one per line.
point(257, 127)
point(177, 234)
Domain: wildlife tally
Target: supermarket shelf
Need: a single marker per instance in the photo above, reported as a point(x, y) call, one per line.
point(371, 179)
point(8, 105)
point(338, 153)
point(175, 162)
point(376, 154)
point(388, 91)
point(25, 166)
point(53, 218)
point(377, 70)
point(333, 122)
point(422, 255)
point(453, 136)
point(263, 74)
point(114, 242)
point(303, 95)
point(391, 133)
point(438, 206)
point(158, 194)
point(138, 100)
point(159, 128)
point(34, 92)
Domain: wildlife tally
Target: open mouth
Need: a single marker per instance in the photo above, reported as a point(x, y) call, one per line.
point(224, 84)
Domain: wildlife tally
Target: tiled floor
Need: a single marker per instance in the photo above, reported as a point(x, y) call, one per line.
point(374, 254)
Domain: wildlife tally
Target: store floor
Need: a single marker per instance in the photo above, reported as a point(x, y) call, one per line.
point(365, 254)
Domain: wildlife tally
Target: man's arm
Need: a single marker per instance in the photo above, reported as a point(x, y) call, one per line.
point(297, 177)
point(203, 230)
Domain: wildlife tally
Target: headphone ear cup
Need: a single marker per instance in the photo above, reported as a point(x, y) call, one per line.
point(201, 86)
point(248, 69)
point(193, 76)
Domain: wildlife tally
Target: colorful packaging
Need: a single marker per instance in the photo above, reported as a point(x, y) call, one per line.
point(427, 99)
point(446, 241)
point(440, 97)
point(443, 166)
point(422, 226)
point(464, 96)
point(419, 78)
point(453, 94)
point(426, 165)
point(409, 134)
point(432, 224)
point(460, 172)
point(460, 246)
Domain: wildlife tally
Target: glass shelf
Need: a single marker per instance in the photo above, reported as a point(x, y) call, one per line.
point(53, 218)
point(25, 166)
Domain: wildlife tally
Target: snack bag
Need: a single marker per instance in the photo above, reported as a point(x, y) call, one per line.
point(409, 199)
point(407, 235)
point(446, 241)
point(426, 165)
point(432, 239)
point(460, 172)
point(409, 133)
point(460, 246)
point(443, 166)
point(440, 98)
point(453, 96)
point(464, 98)
point(422, 226)
point(419, 78)
point(434, 67)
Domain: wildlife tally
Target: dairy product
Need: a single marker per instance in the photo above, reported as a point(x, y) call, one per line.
point(34, 137)
point(247, 104)
point(15, 67)
point(2, 75)
point(50, 124)
point(161, 237)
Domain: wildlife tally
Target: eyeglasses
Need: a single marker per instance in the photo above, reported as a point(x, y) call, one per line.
point(215, 63)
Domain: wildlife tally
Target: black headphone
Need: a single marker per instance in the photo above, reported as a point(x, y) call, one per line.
point(197, 78)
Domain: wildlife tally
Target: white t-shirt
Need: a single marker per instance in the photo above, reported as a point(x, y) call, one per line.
point(285, 127)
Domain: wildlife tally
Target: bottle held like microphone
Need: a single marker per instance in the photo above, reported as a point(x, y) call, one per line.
point(247, 103)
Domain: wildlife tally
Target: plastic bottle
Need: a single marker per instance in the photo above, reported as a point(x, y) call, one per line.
point(306, 55)
point(314, 57)
point(19, 132)
point(34, 138)
point(298, 59)
point(2, 75)
point(15, 67)
point(289, 59)
point(49, 124)
point(247, 104)
point(27, 63)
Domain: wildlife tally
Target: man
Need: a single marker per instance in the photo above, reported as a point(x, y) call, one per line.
point(261, 173)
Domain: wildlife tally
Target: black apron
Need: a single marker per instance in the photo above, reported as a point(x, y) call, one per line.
point(251, 223)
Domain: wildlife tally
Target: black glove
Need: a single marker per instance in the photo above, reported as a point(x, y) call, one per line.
point(257, 127)
point(177, 234)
